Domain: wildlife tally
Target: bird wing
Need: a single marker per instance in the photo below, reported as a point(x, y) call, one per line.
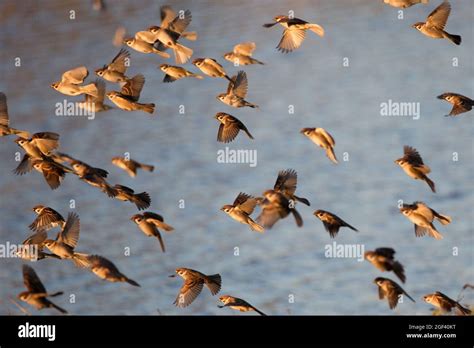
point(46, 141)
point(245, 202)
point(386, 252)
point(118, 63)
point(188, 292)
point(125, 189)
point(4, 120)
point(70, 233)
point(392, 295)
point(44, 220)
point(423, 209)
point(240, 85)
point(326, 136)
point(439, 16)
point(25, 165)
point(36, 239)
point(167, 15)
point(291, 39)
point(32, 281)
point(245, 48)
point(412, 156)
point(286, 182)
point(227, 132)
point(180, 22)
point(133, 87)
point(75, 76)
point(145, 36)
point(269, 216)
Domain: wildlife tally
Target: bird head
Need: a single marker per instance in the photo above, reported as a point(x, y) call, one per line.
point(154, 29)
point(418, 25)
point(23, 295)
point(137, 218)
point(227, 208)
point(48, 243)
point(112, 94)
point(179, 271)
point(401, 162)
point(55, 85)
point(228, 55)
point(198, 62)
point(369, 255)
point(38, 208)
point(225, 299)
point(129, 41)
point(163, 67)
point(307, 131)
point(221, 96)
point(280, 18)
point(21, 141)
point(319, 213)
point(379, 281)
point(101, 72)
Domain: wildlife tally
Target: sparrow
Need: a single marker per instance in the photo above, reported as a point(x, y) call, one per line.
point(131, 166)
point(127, 98)
point(168, 37)
point(176, 23)
point(66, 241)
point(149, 223)
point(238, 304)
point(106, 270)
point(286, 183)
point(54, 173)
point(71, 80)
point(143, 46)
point(193, 283)
point(404, 3)
point(124, 193)
point(173, 73)
point(241, 210)
point(211, 67)
point(383, 259)
point(32, 247)
point(423, 216)
point(93, 104)
point(236, 92)
point(294, 33)
point(37, 296)
point(47, 219)
point(5, 128)
point(276, 206)
point(460, 103)
point(332, 222)
point(391, 290)
point(242, 54)
point(414, 167)
point(435, 23)
point(229, 127)
point(115, 70)
point(446, 304)
point(323, 139)
point(93, 176)
point(39, 146)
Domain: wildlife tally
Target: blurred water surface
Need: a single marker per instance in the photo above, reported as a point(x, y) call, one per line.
point(387, 60)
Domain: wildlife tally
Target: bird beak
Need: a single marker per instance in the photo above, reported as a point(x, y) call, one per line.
point(269, 25)
point(172, 276)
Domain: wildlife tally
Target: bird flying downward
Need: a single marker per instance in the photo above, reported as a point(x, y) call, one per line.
point(383, 259)
point(422, 217)
point(413, 166)
point(229, 127)
point(236, 92)
point(332, 223)
point(390, 290)
point(323, 139)
point(460, 103)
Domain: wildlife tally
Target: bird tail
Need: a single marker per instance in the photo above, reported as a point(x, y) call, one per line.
point(456, 39)
point(258, 311)
point(131, 281)
point(162, 244)
point(443, 219)
point(255, 227)
point(142, 200)
point(56, 294)
point(190, 35)
point(196, 76)
point(248, 133)
point(434, 233)
point(462, 310)
point(90, 89)
point(214, 282)
point(255, 61)
point(228, 78)
point(182, 53)
point(302, 200)
point(399, 271)
point(331, 155)
point(317, 29)
point(81, 260)
point(147, 167)
point(58, 308)
point(298, 218)
point(149, 108)
point(411, 298)
point(253, 106)
point(430, 183)
point(161, 53)
point(20, 133)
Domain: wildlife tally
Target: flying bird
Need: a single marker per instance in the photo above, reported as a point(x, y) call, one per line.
point(149, 223)
point(460, 103)
point(211, 67)
point(294, 33)
point(47, 218)
point(241, 210)
point(71, 81)
point(332, 223)
point(405, 3)
point(422, 217)
point(446, 304)
point(323, 139)
point(115, 70)
point(106, 270)
point(126, 194)
point(390, 290)
point(383, 259)
point(131, 166)
point(173, 73)
point(193, 284)
point(238, 304)
point(236, 92)
point(413, 166)
point(5, 128)
point(127, 98)
point(435, 23)
point(242, 54)
point(229, 127)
